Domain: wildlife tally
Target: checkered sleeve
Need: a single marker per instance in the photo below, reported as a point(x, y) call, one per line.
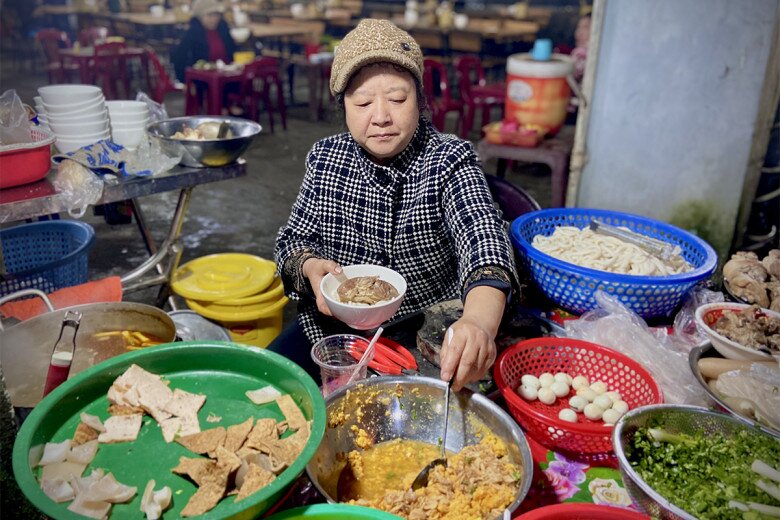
point(300, 239)
point(476, 228)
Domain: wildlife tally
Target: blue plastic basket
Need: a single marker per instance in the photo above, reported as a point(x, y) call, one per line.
point(572, 286)
point(45, 255)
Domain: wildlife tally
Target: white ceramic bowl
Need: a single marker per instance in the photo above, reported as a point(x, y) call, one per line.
point(92, 126)
point(65, 94)
point(95, 136)
point(708, 314)
point(139, 120)
point(127, 107)
point(70, 145)
point(80, 118)
point(363, 317)
point(129, 138)
point(92, 108)
point(130, 126)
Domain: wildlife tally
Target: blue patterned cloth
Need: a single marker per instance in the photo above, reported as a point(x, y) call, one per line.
point(103, 157)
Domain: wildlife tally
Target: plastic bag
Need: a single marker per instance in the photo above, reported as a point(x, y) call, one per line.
point(613, 325)
point(685, 328)
point(78, 186)
point(14, 119)
point(157, 111)
point(149, 159)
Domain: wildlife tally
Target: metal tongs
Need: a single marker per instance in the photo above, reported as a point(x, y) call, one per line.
point(653, 246)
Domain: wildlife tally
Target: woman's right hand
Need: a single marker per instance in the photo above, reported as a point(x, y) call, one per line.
point(315, 270)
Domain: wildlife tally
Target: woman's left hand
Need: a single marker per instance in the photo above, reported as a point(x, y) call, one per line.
point(467, 353)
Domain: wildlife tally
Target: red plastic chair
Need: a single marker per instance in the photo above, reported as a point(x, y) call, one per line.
point(160, 82)
point(435, 73)
point(51, 41)
point(260, 77)
point(89, 36)
point(110, 67)
point(476, 92)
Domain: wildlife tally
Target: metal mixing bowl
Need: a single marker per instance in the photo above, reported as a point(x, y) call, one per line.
point(411, 408)
point(211, 152)
point(676, 419)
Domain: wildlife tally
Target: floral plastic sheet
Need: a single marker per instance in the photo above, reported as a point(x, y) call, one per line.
point(666, 357)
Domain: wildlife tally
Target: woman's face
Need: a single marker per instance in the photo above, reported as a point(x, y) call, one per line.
point(582, 33)
point(210, 20)
point(381, 109)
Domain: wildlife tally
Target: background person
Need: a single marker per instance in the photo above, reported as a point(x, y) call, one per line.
point(393, 191)
point(207, 38)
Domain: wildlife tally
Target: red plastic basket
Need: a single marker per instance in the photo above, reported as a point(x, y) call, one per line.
point(575, 357)
point(26, 162)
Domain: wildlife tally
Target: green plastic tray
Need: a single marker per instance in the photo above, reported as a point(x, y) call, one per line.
point(333, 512)
point(222, 371)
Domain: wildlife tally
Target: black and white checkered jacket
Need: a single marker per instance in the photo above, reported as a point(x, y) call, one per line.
point(428, 215)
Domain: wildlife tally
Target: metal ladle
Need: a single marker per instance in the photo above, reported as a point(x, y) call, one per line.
point(422, 478)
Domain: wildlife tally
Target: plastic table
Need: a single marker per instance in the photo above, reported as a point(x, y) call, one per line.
point(554, 152)
point(42, 198)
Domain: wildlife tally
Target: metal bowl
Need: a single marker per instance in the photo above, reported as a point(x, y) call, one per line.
point(676, 419)
point(707, 350)
point(209, 152)
point(387, 413)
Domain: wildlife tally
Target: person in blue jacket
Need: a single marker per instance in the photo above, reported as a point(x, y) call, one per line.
point(208, 38)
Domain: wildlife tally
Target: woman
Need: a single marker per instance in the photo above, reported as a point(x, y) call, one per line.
point(207, 38)
point(395, 192)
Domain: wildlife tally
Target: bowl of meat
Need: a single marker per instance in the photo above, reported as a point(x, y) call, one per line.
point(208, 141)
point(382, 431)
point(741, 331)
point(370, 296)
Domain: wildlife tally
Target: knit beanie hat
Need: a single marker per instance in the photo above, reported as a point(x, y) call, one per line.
point(374, 41)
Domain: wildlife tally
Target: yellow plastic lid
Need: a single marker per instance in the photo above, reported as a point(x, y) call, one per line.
point(223, 276)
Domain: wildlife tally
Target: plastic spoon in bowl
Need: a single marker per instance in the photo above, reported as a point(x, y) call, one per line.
point(366, 357)
point(422, 478)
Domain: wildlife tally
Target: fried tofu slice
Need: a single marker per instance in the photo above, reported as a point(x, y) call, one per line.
point(237, 434)
point(206, 441)
point(184, 404)
point(179, 426)
point(119, 409)
point(121, 428)
point(292, 414)
point(196, 468)
point(204, 500)
point(264, 430)
point(255, 479)
point(83, 434)
point(227, 460)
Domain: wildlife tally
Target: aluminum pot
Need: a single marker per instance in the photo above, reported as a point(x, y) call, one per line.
point(26, 348)
point(411, 407)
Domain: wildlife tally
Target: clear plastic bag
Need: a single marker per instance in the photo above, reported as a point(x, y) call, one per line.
point(78, 186)
point(157, 111)
point(685, 328)
point(14, 119)
point(613, 325)
point(149, 159)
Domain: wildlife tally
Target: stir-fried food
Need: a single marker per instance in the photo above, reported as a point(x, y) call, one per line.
point(367, 290)
point(752, 328)
point(478, 482)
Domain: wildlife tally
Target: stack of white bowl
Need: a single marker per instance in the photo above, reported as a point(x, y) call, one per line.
point(76, 115)
point(128, 122)
point(43, 119)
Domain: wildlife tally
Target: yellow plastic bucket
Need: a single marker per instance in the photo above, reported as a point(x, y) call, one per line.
point(261, 331)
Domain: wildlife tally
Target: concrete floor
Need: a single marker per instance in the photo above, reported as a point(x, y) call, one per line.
point(238, 215)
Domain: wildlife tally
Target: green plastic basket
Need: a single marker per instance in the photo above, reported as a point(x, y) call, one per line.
point(223, 371)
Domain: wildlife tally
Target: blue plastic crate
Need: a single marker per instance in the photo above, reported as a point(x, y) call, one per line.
point(572, 286)
point(45, 255)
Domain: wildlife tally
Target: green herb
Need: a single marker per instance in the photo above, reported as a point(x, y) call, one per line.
point(516, 475)
point(439, 441)
point(702, 472)
point(414, 414)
